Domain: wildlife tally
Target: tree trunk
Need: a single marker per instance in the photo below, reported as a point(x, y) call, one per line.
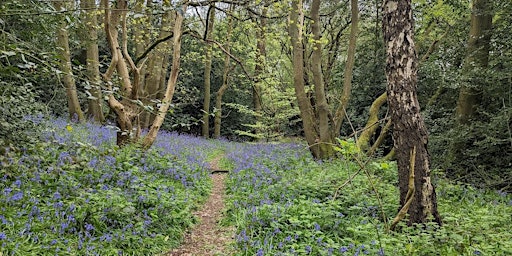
point(306, 110)
point(477, 58)
point(90, 37)
point(207, 71)
point(225, 83)
point(261, 55)
point(417, 194)
point(372, 124)
point(75, 112)
point(322, 109)
point(349, 68)
point(171, 83)
point(156, 70)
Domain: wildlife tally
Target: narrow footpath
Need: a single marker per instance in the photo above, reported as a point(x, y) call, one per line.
point(208, 238)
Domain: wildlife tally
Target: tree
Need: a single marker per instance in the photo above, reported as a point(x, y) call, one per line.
point(477, 58)
point(417, 194)
point(90, 37)
point(320, 126)
point(125, 101)
point(75, 112)
point(207, 70)
point(225, 83)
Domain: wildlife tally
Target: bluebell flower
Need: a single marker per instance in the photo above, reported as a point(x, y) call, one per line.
point(17, 196)
point(308, 249)
point(3, 236)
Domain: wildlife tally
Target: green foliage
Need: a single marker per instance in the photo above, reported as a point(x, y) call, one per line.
point(292, 205)
point(17, 103)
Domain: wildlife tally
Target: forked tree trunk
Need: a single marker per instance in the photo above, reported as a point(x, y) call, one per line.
point(75, 112)
point(90, 37)
point(409, 132)
point(207, 71)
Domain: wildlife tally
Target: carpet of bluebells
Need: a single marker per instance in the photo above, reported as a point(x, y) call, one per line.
point(76, 193)
point(284, 203)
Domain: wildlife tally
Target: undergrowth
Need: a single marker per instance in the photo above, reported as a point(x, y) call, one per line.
point(284, 203)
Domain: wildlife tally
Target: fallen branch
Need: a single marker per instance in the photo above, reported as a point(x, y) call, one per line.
point(410, 193)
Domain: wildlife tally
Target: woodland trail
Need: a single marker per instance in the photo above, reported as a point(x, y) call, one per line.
point(208, 238)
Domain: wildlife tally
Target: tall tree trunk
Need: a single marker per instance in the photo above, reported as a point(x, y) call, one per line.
point(207, 71)
point(306, 110)
point(349, 68)
point(477, 58)
point(261, 55)
point(225, 82)
point(417, 194)
point(156, 70)
point(171, 83)
point(75, 112)
point(322, 109)
point(90, 37)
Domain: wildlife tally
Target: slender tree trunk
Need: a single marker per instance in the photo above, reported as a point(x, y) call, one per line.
point(225, 83)
point(372, 124)
point(90, 37)
point(207, 71)
point(306, 110)
point(156, 70)
point(417, 194)
point(75, 112)
point(171, 83)
point(349, 68)
point(477, 58)
point(261, 55)
point(322, 109)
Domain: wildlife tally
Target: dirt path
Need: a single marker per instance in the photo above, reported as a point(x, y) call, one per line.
point(208, 238)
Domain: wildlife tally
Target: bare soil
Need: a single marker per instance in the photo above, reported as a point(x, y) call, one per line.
point(208, 238)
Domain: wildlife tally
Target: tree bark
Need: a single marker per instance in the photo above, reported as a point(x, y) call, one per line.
point(261, 55)
point(75, 112)
point(322, 109)
point(477, 58)
point(306, 110)
point(90, 37)
point(372, 124)
point(156, 70)
point(349, 68)
point(409, 131)
point(225, 83)
point(207, 71)
point(171, 83)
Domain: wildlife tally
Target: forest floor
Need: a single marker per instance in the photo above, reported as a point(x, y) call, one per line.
point(208, 238)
